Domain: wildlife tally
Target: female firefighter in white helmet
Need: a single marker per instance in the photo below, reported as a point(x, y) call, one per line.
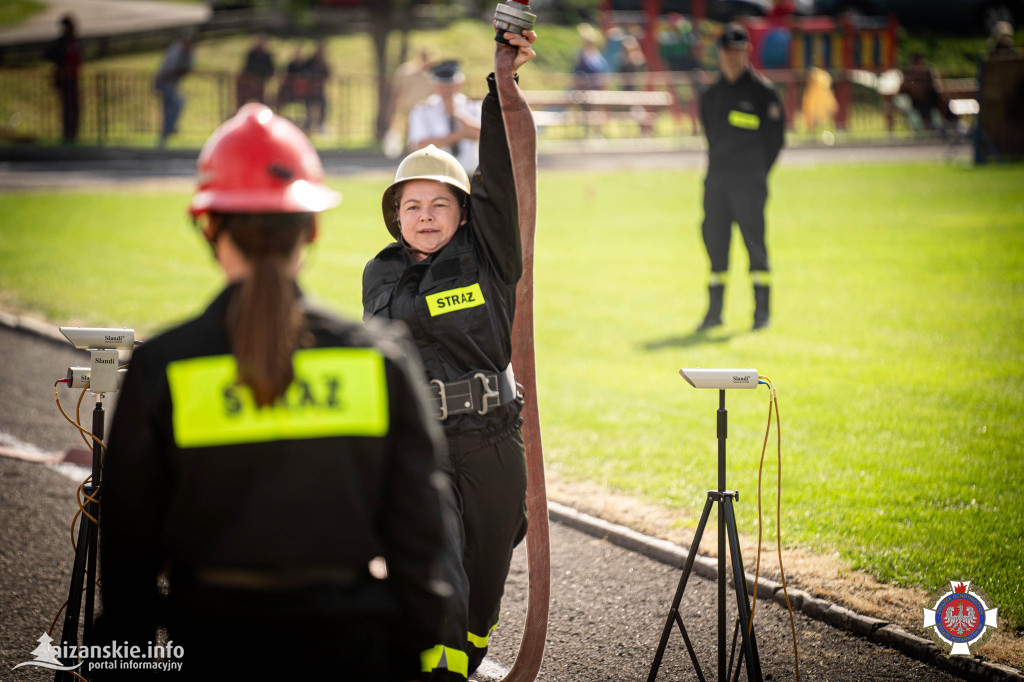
point(272, 458)
point(451, 276)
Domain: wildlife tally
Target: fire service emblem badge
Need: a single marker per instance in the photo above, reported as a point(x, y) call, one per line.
point(960, 618)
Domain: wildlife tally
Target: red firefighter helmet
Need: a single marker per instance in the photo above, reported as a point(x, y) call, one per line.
point(259, 162)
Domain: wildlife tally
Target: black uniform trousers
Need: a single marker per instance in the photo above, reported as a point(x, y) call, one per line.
point(735, 197)
point(488, 473)
point(70, 106)
point(319, 632)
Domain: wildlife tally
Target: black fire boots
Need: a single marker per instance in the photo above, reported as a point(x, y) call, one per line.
point(716, 296)
point(761, 312)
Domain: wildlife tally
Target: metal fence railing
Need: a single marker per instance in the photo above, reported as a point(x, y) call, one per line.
point(121, 107)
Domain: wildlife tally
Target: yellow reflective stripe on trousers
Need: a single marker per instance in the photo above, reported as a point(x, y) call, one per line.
point(455, 299)
point(445, 658)
point(717, 278)
point(481, 642)
point(336, 392)
point(741, 119)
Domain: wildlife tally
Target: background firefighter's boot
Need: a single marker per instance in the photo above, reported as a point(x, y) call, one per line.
point(716, 296)
point(761, 312)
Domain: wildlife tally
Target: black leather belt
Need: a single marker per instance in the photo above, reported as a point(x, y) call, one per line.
point(276, 579)
point(478, 392)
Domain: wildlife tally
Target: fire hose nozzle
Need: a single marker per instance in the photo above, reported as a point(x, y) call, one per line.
point(507, 17)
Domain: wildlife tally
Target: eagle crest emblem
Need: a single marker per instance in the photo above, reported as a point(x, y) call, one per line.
point(960, 618)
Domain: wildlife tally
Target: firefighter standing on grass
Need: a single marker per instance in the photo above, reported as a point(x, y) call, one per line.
point(451, 276)
point(744, 123)
point(277, 463)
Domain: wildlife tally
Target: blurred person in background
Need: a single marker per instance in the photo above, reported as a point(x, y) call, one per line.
point(410, 84)
point(920, 85)
point(613, 38)
point(744, 123)
point(294, 85)
point(1002, 41)
point(448, 119)
point(176, 63)
point(632, 62)
point(66, 54)
point(819, 105)
point(677, 43)
point(590, 68)
point(257, 70)
point(275, 463)
point(316, 72)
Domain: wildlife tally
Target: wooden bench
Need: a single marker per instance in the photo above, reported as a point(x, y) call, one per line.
point(595, 107)
point(961, 95)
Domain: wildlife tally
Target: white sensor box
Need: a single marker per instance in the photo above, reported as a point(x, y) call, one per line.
point(720, 378)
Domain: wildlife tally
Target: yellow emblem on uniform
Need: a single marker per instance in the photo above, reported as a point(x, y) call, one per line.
point(336, 392)
point(455, 299)
point(741, 119)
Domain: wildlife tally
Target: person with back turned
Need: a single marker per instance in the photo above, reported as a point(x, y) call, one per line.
point(744, 123)
point(276, 462)
point(176, 63)
point(258, 69)
point(66, 54)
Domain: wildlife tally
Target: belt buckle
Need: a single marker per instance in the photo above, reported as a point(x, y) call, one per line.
point(488, 393)
point(444, 398)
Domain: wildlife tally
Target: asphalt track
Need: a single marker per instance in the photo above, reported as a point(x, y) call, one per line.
point(608, 604)
point(65, 168)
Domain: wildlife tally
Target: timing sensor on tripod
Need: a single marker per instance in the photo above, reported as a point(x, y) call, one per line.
point(81, 377)
point(99, 338)
point(103, 345)
point(720, 378)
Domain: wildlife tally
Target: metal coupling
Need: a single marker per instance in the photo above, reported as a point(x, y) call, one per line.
point(507, 17)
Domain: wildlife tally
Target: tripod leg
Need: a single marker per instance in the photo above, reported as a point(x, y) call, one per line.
point(93, 508)
point(742, 598)
point(689, 648)
point(673, 613)
point(85, 554)
point(90, 574)
point(734, 675)
point(73, 610)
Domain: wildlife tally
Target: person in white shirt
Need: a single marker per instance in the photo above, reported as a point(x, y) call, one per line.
point(448, 119)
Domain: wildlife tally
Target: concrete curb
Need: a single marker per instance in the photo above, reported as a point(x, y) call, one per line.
point(875, 629)
point(31, 325)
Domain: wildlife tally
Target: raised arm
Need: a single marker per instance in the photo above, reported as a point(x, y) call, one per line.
point(494, 210)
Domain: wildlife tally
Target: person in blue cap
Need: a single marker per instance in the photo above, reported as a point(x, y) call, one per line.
point(448, 119)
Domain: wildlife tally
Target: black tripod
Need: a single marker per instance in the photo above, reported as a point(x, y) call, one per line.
point(726, 524)
point(85, 553)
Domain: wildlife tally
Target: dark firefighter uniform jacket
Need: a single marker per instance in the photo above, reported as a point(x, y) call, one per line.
point(744, 125)
point(459, 302)
point(343, 469)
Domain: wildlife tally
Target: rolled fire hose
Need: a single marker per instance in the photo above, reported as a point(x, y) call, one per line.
point(521, 134)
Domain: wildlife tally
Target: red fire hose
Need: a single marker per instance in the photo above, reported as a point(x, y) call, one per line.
point(522, 143)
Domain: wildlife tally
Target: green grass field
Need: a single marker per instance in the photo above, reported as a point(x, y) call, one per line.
point(13, 12)
point(896, 344)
